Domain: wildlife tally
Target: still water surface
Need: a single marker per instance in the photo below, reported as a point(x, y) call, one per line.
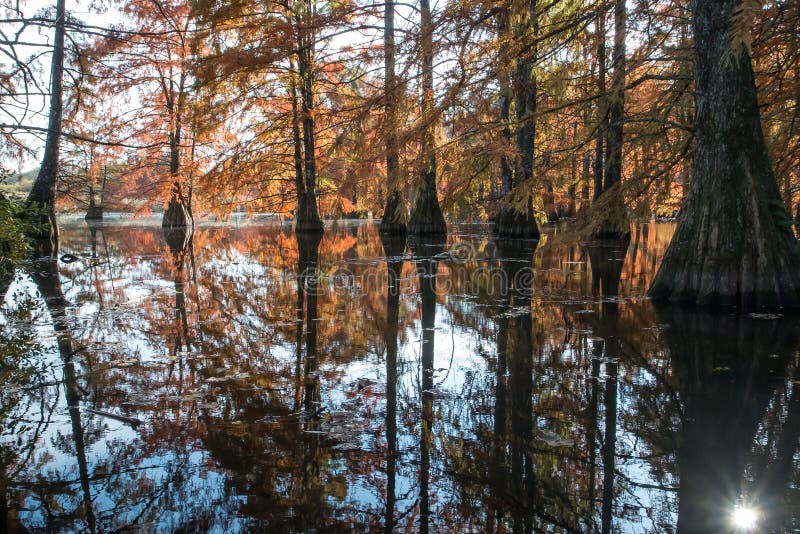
point(242, 380)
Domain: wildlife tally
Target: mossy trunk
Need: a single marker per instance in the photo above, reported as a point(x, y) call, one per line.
point(733, 245)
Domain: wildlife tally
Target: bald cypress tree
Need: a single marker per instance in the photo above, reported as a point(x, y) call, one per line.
point(734, 244)
point(43, 193)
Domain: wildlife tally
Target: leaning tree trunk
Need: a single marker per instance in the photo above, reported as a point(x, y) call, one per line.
point(427, 218)
point(733, 245)
point(394, 214)
point(513, 221)
point(42, 198)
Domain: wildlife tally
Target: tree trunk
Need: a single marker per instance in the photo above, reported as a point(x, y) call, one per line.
point(308, 220)
point(602, 102)
point(427, 218)
point(616, 109)
point(615, 223)
point(93, 212)
point(394, 214)
point(43, 193)
point(511, 221)
point(506, 173)
point(297, 144)
point(733, 245)
point(178, 213)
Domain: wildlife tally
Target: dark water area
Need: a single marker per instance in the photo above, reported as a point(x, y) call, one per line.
point(243, 380)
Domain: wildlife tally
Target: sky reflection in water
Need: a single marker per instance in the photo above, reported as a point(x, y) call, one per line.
point(240, 380)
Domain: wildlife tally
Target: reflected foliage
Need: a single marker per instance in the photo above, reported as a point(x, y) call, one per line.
point(247, 379)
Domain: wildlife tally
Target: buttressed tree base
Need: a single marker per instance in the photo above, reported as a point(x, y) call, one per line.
point(734, 244)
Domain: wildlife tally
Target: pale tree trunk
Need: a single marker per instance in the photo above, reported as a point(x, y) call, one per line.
point(427, 218)
point(733, 245)
point(42, 197)
point(394, 214)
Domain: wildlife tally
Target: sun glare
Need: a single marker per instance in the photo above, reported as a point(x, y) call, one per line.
point(744, 518)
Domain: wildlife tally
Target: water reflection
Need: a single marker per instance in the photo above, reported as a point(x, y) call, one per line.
point(729, 373)
point(240, 379)
point(394, 249)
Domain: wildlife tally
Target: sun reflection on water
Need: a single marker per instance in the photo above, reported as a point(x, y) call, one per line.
point(744, 518)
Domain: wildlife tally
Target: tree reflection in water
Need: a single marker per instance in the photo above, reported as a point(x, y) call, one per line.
point(730, 374)
point(394, 249)
point(241, 380)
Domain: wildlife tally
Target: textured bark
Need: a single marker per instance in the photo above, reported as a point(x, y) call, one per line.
point(42, 197)
point(514, 224)
point(526, 92)
point(506, 172)
point(733, 245)
point(177, 214)
point(394, 214)
point(616, 107)
point(426, 218)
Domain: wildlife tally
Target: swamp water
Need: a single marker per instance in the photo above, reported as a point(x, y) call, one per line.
point(242, 380)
